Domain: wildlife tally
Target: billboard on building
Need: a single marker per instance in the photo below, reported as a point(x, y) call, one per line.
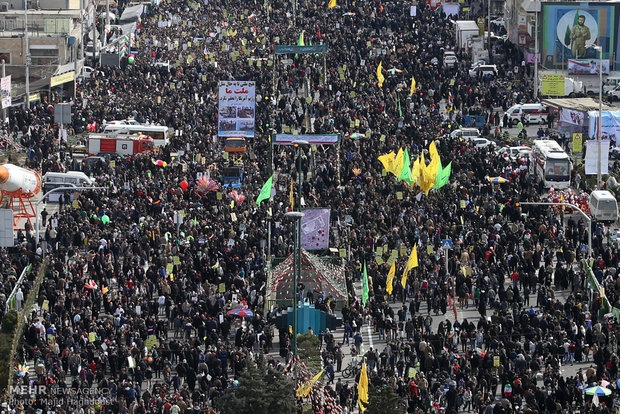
point(237, 108)
point(570, 30)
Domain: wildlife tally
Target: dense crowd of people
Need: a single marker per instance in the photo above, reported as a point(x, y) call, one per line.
point(137, 306)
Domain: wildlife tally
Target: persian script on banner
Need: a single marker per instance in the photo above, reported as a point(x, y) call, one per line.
point(236, 109)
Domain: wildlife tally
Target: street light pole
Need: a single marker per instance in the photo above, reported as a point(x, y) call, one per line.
point(297, 215)
point(583, 214)
point(36, 206)
point(600, 115)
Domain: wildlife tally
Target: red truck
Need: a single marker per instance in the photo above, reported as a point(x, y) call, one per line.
point(119, 144)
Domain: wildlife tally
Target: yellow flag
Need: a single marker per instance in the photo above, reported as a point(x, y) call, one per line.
point(332, 4)
point(412, 90)
point(403, 280)
point(380, 76)
point(305, 388)
point(388, 161)
point(398, 163)
point(413, 258)
point(432, 150)
point(291, 199)
point(415, 172)
point(362, 389)
point(426, 182)
point(390, 278)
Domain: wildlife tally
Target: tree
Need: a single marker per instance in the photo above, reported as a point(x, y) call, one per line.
point(261, 390)
point(308, 351)
point(382, 400)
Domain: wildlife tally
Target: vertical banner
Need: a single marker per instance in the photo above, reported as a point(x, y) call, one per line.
point(577, 142)
point(5, 91)
point(592, 155)
point(237, 108)
point(315, 229)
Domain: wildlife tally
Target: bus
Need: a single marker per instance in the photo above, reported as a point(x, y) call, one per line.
point(550, 164)
point(159, 133)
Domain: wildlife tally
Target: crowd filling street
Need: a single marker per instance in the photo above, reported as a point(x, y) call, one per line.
point(113, 314)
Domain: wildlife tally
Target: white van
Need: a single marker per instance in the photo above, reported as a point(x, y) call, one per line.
point(537, 113)
point(53, 180)
point(465, 133)
point(603, 205)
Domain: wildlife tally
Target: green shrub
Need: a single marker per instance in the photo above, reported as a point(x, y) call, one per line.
point(9, 322)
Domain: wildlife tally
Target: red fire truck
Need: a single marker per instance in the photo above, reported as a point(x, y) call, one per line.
point(123, 144)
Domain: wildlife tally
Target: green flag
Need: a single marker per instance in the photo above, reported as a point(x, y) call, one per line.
point(265, 192)
point(567, 33)
point(405, 172)
point(443, 175)
point(365, 286)
point(400, 111)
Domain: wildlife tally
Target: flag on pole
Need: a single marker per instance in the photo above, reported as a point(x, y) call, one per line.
point(332, 4)
point(380, 76)
point(443, 176)
point(451, 102)
point(405, 172)
point(365, 287)
point(362, 388)
point(390, 278)
point(291, 199)
point(413, 258)
point(398, 163)
point(265, 192)
point(301, 42)
point(413, 88)
point(388, 161)
point(411, 263)
point(400, 111)
point(305, 388)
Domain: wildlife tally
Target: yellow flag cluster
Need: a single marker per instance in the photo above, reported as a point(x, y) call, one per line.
point(411, 263)
point(420, 174)
point(380, 77)
point(332, 4)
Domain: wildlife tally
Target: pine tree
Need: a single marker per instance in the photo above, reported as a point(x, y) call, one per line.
point(383, 400)
point(261, 390)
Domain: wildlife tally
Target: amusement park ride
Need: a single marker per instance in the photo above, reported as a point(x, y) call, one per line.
point(19, 185)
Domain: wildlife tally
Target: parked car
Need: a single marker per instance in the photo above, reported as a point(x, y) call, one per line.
point(484, 70)
point(513, 153)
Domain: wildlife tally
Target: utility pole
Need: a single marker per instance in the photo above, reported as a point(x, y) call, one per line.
point(107, 22)
point(536, 55)
point(81, 53)
point(489, 31)
point(3, 75)
point(27, 54)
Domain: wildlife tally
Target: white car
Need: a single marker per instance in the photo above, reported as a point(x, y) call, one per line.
point(500, 21)
point(450, 59)
point(465, 133)
point(482, 143)
point(513, 153)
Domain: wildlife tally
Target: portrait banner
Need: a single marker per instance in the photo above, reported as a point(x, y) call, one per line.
point(315, 229)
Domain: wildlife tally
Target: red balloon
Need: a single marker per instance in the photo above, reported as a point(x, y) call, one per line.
point(184, 184)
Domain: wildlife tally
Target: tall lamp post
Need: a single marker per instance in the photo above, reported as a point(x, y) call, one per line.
point(297, 215)
point(600, 115)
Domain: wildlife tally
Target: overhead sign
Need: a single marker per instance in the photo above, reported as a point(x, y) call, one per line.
point(313, 139)
point(5, 91)
point(34, 97)
point(553, 84)
point(237, 108)
point(64, 78)
point(286, 49)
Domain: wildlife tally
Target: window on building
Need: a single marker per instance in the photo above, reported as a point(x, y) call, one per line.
point(44, 55)
point(6, 56)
